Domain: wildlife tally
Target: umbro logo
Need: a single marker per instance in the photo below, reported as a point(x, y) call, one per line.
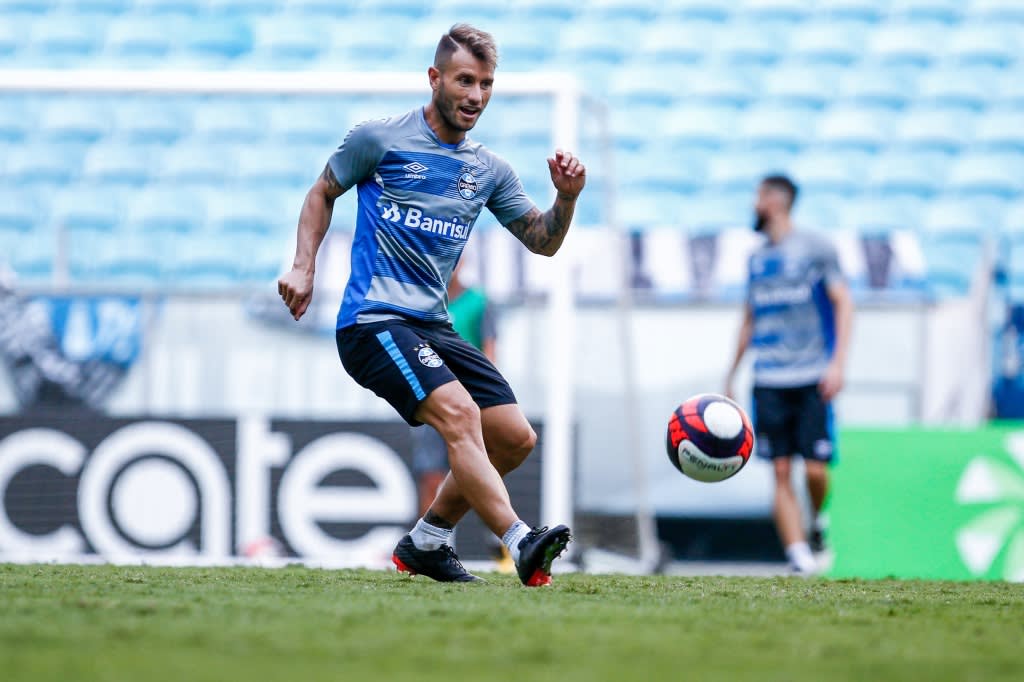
point(415, 171)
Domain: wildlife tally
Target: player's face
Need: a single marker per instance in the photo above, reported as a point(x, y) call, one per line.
point(770, 203)
point(463, 90)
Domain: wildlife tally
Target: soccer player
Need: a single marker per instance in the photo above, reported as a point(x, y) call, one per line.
point(797, 317)
point(421, 185)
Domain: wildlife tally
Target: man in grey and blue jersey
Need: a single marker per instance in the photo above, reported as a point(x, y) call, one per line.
point(421, 185)
point(797, 319)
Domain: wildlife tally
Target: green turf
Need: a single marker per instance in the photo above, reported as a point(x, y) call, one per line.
point(77, 623)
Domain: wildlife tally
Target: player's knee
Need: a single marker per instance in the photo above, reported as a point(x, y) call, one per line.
point(519, 447)
point(459, 417)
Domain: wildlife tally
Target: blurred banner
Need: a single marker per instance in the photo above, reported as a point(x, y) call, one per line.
point(68, 351)
point(76, 487)
point(930, 504)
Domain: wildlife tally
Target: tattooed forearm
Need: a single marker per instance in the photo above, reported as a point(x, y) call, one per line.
point(543, 232)
point(331, 188)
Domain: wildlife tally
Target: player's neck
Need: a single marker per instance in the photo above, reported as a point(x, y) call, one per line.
point(779, 229)
point(441, 129)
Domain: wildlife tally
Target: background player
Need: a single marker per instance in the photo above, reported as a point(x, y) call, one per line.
point(421, 185)
point(798, 318)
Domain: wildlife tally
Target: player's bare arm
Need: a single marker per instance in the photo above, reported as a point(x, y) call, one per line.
point(296, 286)
point(543, 233)
point(834, 377)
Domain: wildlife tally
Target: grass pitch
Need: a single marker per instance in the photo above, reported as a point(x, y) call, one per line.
point(83, 623)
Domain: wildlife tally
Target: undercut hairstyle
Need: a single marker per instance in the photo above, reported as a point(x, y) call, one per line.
point(479, 43)
point(783, 184)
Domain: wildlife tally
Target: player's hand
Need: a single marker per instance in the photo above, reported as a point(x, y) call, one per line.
point(296, 290)
point(568, 175)
point(831, 382)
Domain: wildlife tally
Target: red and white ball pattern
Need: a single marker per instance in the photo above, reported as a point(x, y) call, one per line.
point(709, 438)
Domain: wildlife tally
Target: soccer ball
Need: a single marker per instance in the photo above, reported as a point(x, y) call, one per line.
point(709, 438)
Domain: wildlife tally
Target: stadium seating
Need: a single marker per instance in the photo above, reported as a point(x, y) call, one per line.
point(898, 118)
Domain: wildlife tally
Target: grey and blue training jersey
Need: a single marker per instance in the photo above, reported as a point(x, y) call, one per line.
point(418, 201)
point(794, 322)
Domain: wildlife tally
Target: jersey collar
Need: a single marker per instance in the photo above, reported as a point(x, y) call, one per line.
point(429, 132)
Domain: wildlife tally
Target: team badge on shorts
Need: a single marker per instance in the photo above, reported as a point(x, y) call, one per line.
point(428, 357)
point(467, 186)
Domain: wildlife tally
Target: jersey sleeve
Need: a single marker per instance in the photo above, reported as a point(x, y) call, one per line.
point(359, 154)
point(509, 200)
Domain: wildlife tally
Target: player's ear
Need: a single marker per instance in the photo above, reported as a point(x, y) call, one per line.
point(435, 77)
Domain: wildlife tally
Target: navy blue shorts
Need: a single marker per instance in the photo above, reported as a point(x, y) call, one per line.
point(793, 422)
point(404, 361)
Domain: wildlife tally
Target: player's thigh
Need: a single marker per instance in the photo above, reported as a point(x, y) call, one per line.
point(451, 410)
point(814, 428)
point(388, 358)
point(773, 423)
point(507, 433)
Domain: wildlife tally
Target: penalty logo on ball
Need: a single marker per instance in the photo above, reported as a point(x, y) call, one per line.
point(709, 438)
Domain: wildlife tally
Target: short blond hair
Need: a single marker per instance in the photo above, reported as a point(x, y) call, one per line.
point(479, 43)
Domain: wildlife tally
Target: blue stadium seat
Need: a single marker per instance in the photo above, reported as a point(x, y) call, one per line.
point(18, 118)
point(819, 212)
point(51, 165)
point(520, 121)
point(655, 168)
point(119, 259)
point(70, 119)
point(306, 122)
point(1001, 130)
point(249, 214)
point(1013, 220)
point(956, 216)
point(749, 43)
point(985, 44)
point(288, 41)
point(725, 87)
point(141, 37)
point(875, 86)
point(934, 129)
point(475, 12)
point(31, 255)
point(549, 11)
point(947, 11)
point(1010, 88)
point(279, 166)
point(907, 43)
point(883, 214)
point(707, 126)
point(20, 211)
point(218, 39)
point(993, 175)
point(997, 10)
point(781, 11)
point(185, 8)
point(826, 174)
point(523, 48)
point(679, 42)
point(29, 6)
point(62, 39)
point(14, 36)
point(741, 171)
point(198, 164)
point(855, 128)
point(706, 10)
point(150, 119)
point(774, 127)
point(594, 44)
point(231, 121)
point(245, 9)
point(913, 174)
point(867, 11)
point(87, 209)
point(805, 86)
point(632, 126)
point(161, 211)
point(623, 10)
point(203, 261)
point(970, 87)
point(633, 86)
point(826, 42)
point(120, 165)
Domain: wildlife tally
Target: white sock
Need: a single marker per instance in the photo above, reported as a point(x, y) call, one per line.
point(427, 537)
point(512, 537)
point(799, 554)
